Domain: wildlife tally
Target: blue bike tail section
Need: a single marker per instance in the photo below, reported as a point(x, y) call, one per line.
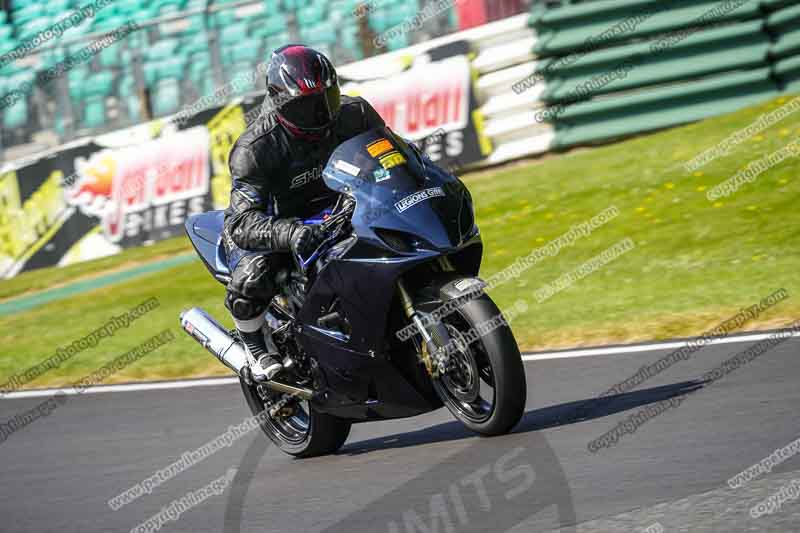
point(205, 232)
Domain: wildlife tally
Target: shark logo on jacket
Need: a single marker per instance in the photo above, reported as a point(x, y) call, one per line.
point(306, 177)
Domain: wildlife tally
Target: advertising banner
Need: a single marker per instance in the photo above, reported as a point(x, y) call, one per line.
point(144, 192)
point(136, 186)
point(429, 100)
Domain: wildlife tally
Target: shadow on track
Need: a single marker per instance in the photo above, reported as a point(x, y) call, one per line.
point(535, 420)
point(541, 496)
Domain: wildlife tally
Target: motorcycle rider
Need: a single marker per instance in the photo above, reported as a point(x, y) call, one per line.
point(276, 167)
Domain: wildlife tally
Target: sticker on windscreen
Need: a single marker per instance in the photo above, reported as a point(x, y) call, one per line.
point(392, 159)
point(344, 166)
point(419, 196)
point(381, 175)
point(381, 146)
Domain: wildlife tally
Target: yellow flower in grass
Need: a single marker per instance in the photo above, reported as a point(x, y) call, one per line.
point(758, 138)
point(698, 174)
point(539, 239)
point(669, 185)
point(701, 188)
point(783, 181)
point(718, 204)
point(640, 209)
point(549, 216)
point(751, 207)
point(785, 131)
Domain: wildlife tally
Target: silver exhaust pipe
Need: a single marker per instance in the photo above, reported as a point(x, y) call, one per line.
point(212, 336)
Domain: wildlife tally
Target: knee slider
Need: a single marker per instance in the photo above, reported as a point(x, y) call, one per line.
point(243, 308)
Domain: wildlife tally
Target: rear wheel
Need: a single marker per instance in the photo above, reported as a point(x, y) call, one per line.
point(303, 432)
point(484, 383)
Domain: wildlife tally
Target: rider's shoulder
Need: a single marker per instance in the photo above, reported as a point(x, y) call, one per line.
point(254, 147)
point(353, 103)
point(258, 132)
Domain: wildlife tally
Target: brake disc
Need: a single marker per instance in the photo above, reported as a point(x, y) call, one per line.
point(461, 369)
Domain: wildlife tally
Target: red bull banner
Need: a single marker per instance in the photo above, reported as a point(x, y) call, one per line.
point(116, 191)
point(429, 99)
point(420, 101)
point(144, 192)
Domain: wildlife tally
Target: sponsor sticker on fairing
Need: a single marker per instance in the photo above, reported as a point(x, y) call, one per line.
point(392, 159)
point(381, 146)
point(466, 283)
point(344, 166)
point(419, 196)
point(381, 175)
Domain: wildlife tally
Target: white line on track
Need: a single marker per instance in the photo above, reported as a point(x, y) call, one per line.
point(652, 347)
point(211, 382)
point(127, 387)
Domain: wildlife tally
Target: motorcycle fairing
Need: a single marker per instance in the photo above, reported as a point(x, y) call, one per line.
point(362, 273)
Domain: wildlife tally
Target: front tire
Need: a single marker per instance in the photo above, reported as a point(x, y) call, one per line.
point(307, 434)
point(494, 361)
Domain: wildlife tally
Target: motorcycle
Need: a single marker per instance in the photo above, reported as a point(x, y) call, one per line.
point(386, 318)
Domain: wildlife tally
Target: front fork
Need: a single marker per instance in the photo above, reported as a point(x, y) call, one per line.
point(434, 339)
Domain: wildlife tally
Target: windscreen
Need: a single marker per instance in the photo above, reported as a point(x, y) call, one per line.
point(377, 158)
point(395, 189)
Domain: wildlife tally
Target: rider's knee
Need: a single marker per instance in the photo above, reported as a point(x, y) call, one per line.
point(243, 308)
point(251, 287)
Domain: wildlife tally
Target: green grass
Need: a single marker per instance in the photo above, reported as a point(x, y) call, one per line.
point(695, 262)
point(47, 278)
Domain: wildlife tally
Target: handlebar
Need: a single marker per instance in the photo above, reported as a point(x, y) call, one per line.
point(328, 225)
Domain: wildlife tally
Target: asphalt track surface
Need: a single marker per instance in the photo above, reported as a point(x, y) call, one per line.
point(427, 474)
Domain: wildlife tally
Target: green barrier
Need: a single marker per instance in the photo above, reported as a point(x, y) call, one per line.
point(611, 118)
point(641, 19)
point(784, 20)
point(785, 52)
point(772, 5)
point(613, 68)
point(717, 37)
point(730, 48)
point(788, 72)
point(787, 44)
point(542, 16)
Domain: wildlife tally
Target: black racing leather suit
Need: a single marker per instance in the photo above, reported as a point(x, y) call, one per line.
point(277, 178)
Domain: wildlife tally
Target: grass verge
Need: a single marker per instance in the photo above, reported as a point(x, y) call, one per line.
point(51, 278)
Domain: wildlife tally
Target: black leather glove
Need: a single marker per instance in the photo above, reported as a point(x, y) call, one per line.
point(304, 239)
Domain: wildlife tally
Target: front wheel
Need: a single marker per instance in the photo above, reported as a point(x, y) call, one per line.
point(303, 432)
point(484, 383)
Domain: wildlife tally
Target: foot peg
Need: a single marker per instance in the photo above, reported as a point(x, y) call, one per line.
point(269, 367)
point(263, 370)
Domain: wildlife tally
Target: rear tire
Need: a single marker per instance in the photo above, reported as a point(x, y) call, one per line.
point(324, 433)
point(497, 349)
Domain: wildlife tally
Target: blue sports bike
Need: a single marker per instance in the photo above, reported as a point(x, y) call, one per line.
point(386, 318)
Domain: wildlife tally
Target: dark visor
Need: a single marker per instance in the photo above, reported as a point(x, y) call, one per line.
point(314, 110)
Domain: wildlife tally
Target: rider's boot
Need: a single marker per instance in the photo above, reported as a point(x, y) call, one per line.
point(264, 365)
